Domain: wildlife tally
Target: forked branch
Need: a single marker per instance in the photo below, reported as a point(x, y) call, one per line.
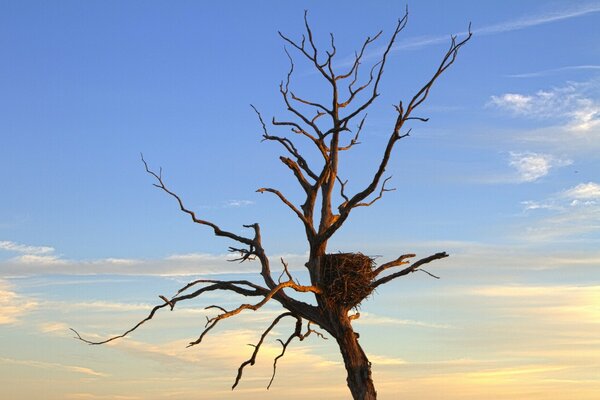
point(414, 267)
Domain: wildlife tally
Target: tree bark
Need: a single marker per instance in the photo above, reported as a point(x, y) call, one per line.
point(358, 367)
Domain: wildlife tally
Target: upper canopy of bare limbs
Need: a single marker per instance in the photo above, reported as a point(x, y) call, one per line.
point(331, 128)
point(351, 94)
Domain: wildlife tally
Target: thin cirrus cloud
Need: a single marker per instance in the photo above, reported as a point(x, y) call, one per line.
point(494, 29)
point(506, 26)
point(54, 366)
point(552, 71)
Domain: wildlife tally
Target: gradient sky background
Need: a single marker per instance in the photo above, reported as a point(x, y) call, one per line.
point(505, 177)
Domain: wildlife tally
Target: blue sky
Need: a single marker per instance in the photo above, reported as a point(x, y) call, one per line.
point(504, 176)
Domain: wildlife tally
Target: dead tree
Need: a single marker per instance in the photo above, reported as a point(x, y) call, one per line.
point(341, 281)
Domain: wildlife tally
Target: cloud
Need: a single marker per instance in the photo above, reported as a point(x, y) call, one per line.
point(556, 304)
point(532, 166)
point(569, 105)
point(173, 265)
point(577, 212)
point(385, 360)
point(514, 102)
point(239, 203)
point(25, 249)
point(584, 191)
point(534, 205)
point(374, 319)
point(92, 396)
point(53, 327)
point(540, 19)
point(556, 70)
point(529, 167)
point(39, 260)
point(505, 26)
point(54, 366)
point(12, 305)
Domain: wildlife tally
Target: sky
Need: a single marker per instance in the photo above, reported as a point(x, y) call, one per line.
point(505, 177)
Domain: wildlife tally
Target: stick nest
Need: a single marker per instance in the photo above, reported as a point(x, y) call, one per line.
point(346, 278)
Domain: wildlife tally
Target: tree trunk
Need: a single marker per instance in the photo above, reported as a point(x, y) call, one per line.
point(358, 367)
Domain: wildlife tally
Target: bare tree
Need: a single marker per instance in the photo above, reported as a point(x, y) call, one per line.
point(339, 282)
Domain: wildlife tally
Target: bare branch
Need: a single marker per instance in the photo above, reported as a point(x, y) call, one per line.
point(429, 273)
point(216, 285)
point(410, 269)
point(403, 116)
point(357, 57)
point(354, 140)
point(296, 128)
point(218, 231)
point(302, 48)
point(296, 334)
point(399, 27)
point(379, 196)
point(211, 322)
point(289, 146)
point(310, 103)
point(284, 200)
point(343, 188)
point(252, 358)
point(447, 61)
point(398, 261)
point(285, 271)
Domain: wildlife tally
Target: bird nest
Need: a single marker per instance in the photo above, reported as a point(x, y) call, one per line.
point(346, 278)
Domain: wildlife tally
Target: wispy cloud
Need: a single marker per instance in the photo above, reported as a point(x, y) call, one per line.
point(535, 205)
point(374, 319)
point(173, 265)
point(505, 26)
point(54, 366)
point(12, 305)
point(8, 245)
point(92, 396)
point(577, 213)
point(556, 70)
point(239, 203)
point(539, 19)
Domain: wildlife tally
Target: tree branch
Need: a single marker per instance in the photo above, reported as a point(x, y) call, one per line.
point(408, 270)
point(252, 358)
point(307, 223)
point(398, 261)
point(288, 145)
point(218, 231)
point(296, 334)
